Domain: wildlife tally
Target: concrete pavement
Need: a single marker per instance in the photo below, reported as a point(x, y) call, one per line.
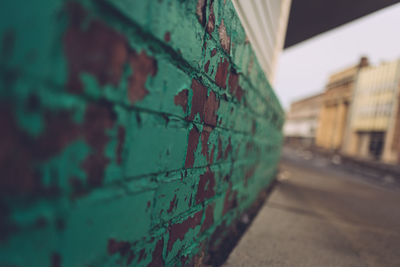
point(319, 215)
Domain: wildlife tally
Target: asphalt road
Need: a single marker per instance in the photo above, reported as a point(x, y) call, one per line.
point(320, 215)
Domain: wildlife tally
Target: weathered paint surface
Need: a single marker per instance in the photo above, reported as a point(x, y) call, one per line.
point(132, 133)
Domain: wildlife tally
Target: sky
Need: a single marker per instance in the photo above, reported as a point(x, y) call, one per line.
point(303, 69)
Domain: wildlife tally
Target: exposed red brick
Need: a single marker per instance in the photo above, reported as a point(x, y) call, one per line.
point(17, 149)
point(101, 51)
point(130, 258)
point(142, 66)
point(94, 166)
point(184, 260)
point(217, 236)
point(55, 260)
point(233, 81)
point(205, 134)
point(205, 45)
point(201, 11)
point(199, 99)
point(167, 37)
point(211, 19)
point(121, 247)
point(172, 204)
point(205, 106)
point(228, 149)
point(181, 99)
point(234, 87)
point(178, 230)
point(211, 155)
point(78, 186)
point(142, 255)
point(230, 200)
point(224, 39)
point(157, 257)
point(206, 66)
point(98, 119)
point(239, 93)
point(60, 130)
point(209, 218)
point(206, 185)
point(192, 147)
point(94, 49)
point(7, 227)
point(213, 52)
point(210, 109)
point(222, 73)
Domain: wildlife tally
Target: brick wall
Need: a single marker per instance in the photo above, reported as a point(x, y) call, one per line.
point(133, 133)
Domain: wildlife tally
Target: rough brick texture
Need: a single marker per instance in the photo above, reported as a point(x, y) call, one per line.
point(133, 133)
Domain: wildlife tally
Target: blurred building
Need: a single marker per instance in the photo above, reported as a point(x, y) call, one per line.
point(302, 120)
point(335, 107)
point(373, 129)
point(396, 132)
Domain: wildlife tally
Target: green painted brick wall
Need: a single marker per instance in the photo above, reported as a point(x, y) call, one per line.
point(133, 133)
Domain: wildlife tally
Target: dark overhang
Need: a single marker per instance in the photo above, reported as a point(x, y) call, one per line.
point(311, 17)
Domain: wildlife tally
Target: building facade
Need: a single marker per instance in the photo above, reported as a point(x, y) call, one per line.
point(302, 120)
point(396, 132)
point(335, 107)
point(373, 127)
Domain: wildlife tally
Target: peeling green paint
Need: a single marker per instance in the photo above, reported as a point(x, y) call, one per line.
point(139, 149)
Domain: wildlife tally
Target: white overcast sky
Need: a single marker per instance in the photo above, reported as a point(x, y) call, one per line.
point(304, 68)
